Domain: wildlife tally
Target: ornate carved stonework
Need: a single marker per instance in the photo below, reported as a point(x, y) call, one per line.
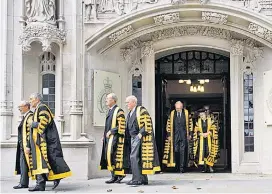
point(147, 49)
point(203, 1)
point(213, 17)
point(236, 47)
point(122, 7)
point(251, 51)
point(177, 2)
point(126, 54)
point(166, 18)
point(189, 31)
point(120, 33)
point(91, 10)
point(136, 68)
point(44, 33)
point(260, 31)
point(41, 11)
point(76, 107)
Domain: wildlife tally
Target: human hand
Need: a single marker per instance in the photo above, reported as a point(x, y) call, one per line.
point(108, 134)
point(27, 150)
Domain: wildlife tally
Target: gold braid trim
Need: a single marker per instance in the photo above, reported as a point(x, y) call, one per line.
point(109, 148)
point(144, 120)
point(210, 160)
point(26, 138)
point(168, 157)
point(120, 143)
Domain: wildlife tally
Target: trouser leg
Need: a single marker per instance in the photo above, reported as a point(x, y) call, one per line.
point(41, 180)
point(113, 175)
point(24, 170)
point(135, 159)
point(182, 154)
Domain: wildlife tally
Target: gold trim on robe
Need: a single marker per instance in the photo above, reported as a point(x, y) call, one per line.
point(212, 142)
point(168, 154)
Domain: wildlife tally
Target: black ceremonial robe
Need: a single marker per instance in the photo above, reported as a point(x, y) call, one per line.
point(149, 154)
point(46, 149)
point(205, 149)
point(169, 151)
point(24, 140)
point(112, 156)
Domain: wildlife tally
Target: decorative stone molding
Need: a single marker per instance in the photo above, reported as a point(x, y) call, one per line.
point(203, 1)
point(251, 52)
point(213, 17)
point(123, 7)
point(6, 108)
point(260, 31)
point(136, 68)
point(126, 53)
point(190, 31)
point(147, 49)
point(76, 107)
point(120, 33)
point(177, 2)
point(166, 18)
point(44, 33)
point(237, 47)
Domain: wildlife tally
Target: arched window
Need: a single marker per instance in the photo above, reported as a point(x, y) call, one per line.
point(48, 68)
point(248, 111)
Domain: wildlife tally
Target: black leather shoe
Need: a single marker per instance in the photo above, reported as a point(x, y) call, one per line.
point(56, 183)
point(119, 179)
point(112, 180)
point(182, 170)
point(20, 187)
point(37, 188)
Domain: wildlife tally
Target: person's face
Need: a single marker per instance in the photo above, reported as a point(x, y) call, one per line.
point(109, 101)
point(178, 107)
point(202, 115)
point(130, 104)
point(33, 101)
point(23, 108)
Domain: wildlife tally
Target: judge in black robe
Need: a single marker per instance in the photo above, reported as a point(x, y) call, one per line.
point(112, 156)
point(46, 150)
point(23, 157)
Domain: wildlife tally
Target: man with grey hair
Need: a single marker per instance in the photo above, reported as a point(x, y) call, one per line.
point(47, 156)
point(113, 141)
point(23, 145)
point(139, 130)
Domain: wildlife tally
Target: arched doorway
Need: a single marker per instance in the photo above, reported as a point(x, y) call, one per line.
point(176, 76)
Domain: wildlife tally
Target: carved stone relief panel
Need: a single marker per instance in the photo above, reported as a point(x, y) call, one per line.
point(120, 33)
point(41, 11)
point(166, 18)
point(260, 31)
point(213, 17)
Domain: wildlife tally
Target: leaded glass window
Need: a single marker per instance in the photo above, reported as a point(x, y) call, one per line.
point(248, 112)
point(48, 68)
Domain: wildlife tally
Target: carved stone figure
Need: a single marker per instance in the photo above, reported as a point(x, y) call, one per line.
point(41, 11)
point(91, 9)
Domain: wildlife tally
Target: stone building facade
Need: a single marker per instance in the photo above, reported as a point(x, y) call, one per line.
point(54, 46)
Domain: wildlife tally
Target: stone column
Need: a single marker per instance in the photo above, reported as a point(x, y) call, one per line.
point(236, 59)
point(76, 107)
point(59, 94)
point(6, 103)
point(148, 81)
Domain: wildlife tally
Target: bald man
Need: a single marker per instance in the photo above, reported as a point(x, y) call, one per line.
point(179, 131)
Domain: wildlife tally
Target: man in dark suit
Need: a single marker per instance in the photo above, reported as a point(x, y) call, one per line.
point(23, 145)
point(113, 141)
point(143, 156)
point(179, 132)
